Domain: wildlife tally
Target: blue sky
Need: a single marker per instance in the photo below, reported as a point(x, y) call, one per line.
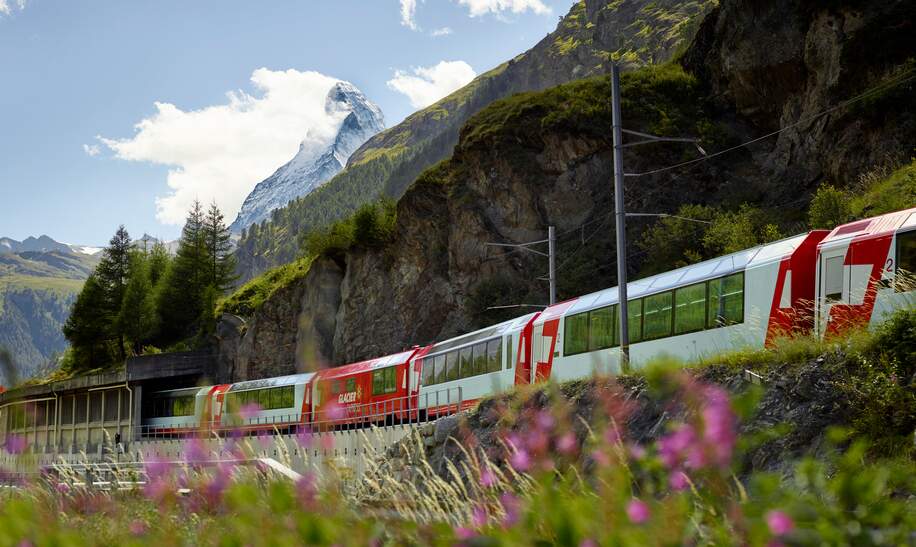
point(72, 70)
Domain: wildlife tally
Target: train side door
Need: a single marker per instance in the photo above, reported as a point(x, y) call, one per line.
point(833, 286)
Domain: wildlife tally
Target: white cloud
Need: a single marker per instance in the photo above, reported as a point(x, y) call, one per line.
point(92, 150)
point(482, 7)
point(444, 31)
point(408, 12)
point(220, 152)
point(427, 85)
point(6, 6)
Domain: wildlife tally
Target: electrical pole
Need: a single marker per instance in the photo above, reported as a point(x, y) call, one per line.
point(620, 210)
point(621, 219)
point(552, 259)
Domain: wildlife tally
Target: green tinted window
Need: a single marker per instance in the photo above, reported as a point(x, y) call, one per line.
point(726, 300)
point(451, 366)
point(905, 278)
point(510, 348)
point(429, 371)
point(287, 397)
point(378, 382)
point(601, 324)
point(264, 398)
point(466, 363)
point(494, 353)
point(690, 308)
point(440, 369)
point(657, 316)
point(480, 358)
point(391, 379)
point(634, 322)
point(575, 338)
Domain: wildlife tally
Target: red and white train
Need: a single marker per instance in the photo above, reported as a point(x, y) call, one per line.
point(821, 283)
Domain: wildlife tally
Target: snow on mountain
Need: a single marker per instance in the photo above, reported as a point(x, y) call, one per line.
point(317, 161)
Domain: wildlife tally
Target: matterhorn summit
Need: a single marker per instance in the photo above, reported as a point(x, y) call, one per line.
point(318, 159)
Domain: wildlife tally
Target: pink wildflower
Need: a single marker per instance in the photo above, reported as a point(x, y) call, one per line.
point(307, 489)
point(464, 533)
point(479, 517)
point(15, 444)
point(487, 478)
point(520, 460)
point(719, 424)
point(545, 420)
point(588, 542)
point(672, 447)
point(327, 441)
point(63, 488)
point(637, 451)
point(779, 522)
point(678, 481)
point(567, 444)
point(137, 528)
point(601, 458)
point(637, 511)
point(196, 451)
point(335, 412)
point(512, 507)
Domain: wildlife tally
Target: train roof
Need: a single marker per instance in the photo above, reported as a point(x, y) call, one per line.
point(292, 379)
point(871, 227)
point(695, 273)
point(364, 366)
point(500, 329)
point(183, 391)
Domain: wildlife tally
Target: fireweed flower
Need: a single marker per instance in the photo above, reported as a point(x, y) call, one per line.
point(479, 517)
point(196, 451)
point(637, 511)
point(719, 425)
point(15, 444)
point(779, 522)
point(567, 444)
point(249, 411)
point(487, 478)
point(678, 481)
point(601, 458)
point(137, 528)
point(307, 490)
point(327, 442)
point(545, 420)
point(512, 507)
point(520, 460)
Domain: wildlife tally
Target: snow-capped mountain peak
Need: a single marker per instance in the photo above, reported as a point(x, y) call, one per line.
point(318, 158)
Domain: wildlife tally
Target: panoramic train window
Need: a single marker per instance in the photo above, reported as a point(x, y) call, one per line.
point(726, 300)
point(634, 321)
point(451, 366)
point(494, 352)
point(429, 372)
point(690, 308)
point(601, 325)
point(575, 339)
point(480, 358)
point(440, 369)
point(833, 279)
point(657, 316)
point(466, 363)
point(905, 278)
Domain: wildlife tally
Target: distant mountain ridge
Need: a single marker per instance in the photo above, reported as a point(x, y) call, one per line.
point(313, 166)
point(39, 280)
point(634, 32)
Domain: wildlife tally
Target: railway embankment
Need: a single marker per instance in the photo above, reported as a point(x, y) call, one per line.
point(802, 398)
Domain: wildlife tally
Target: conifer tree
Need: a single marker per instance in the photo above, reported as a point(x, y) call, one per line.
point(89, 326)
point(158, 260)
point(219, 250)
point(113, 273)
point(181, 296)
point(137, 317)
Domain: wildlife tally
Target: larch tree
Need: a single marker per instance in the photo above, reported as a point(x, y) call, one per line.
point(113, 272)
point(137, 318)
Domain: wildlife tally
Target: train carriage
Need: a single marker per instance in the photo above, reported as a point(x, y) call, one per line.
point(366, 392)
point(268, 403)
point(865, 271)
point(174, 411)
point(458, 372)
point(745, 299)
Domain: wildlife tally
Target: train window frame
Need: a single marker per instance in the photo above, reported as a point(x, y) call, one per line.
point(713, 319)
point(569, 337)
point(378, 382)
point(510, 349)
point(350, 385)
point(440, 368)
point(428, 369)
point(829, 275)
point(902, 273)
point(466, 365)
point(494, 362)
point(703, 311)
point(669, 322)
point(451, 366)
point(479, 357)
point(634, 331)
point(604, 310)
point(288, 397)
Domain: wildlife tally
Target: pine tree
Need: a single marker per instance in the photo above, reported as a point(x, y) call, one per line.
point(113, 273)
point(219, 250)
point(89, 326)
point(159, 260)
point(137, 317)
point(181, 296)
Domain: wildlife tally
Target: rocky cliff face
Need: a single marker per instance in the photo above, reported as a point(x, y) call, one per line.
point(542, 159)
point(315, 163)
